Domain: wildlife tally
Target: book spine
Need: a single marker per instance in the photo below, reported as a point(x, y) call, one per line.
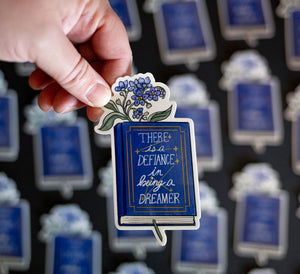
point(119, 160)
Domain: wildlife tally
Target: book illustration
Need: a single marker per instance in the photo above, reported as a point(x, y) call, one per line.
point(153, 158)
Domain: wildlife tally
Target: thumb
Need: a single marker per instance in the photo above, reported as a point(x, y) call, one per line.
point(59, 58)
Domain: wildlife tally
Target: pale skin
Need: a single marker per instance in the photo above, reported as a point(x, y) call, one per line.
point(79, 46)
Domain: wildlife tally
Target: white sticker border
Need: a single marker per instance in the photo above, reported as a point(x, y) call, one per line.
point(49, 183)
point(257, 139)
point(11, 153)
point(23, 262)
point(259, 251)
point(250, 34)
point(188, 57)
point(293, 63)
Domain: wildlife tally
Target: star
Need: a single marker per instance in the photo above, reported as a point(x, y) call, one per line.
point(175, 148)
point(137, 151)
point(177, 161)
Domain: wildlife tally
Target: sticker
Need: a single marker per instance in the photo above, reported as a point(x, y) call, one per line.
point(262, 271)
point(292, 114)
point(151, 6)
point(261, 214)
point(153, 158)
point(184, 33)
point(193, 102)
point(254, 101)
point(133, 268)
point(249, 20)
point(74, 254)
point(15, 236)
point(292, 42)
point(139, 242)
point(205, 248)
point(9, 126)
point(24, 69)
point(72, 246)
point(61, 151)
point(128, 12)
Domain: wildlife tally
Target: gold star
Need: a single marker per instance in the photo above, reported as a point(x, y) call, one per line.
point(137, 151)
point(171, 189)
point(177, 161)
point(175, 148)
point(169, 136)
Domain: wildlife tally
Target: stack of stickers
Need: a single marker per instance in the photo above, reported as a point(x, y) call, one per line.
point(160, 148)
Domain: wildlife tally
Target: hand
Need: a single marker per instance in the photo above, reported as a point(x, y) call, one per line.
point(79, 46)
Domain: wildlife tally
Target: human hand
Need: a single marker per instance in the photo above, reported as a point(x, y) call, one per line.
point(79, 46)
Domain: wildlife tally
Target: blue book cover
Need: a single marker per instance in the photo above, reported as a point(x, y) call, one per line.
point(203, 137)
point(201, 246)
point(135, 234)
point(154, 173)
point(295, 33)
point(61, 151)
point(11, 242)
point(261, 220)
point(5, 134)
point(253, 105)
point(247, 13)
point(121, 9)
point(183, 26)
point(73, 254)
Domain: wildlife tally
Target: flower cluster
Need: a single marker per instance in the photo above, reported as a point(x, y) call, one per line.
point(137, 99)
point(142, 89)
point(140, 92)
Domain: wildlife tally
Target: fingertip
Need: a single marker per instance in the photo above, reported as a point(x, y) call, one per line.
point(99, 95)
point(94, 114)
point(39, 79)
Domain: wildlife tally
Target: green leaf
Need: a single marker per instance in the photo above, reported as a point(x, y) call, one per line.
point(111, 106)
point(109, 120)
point(148, 105)
point(118, 102)
point(161, 115)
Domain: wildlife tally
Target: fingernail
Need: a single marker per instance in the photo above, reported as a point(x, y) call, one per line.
point(98, 95)
point(68, 108)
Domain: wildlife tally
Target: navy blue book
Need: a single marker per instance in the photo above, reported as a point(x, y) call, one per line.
point(183, 26)
point(201, 246)
point(245, 13)
point(74, 254)
point(15, 235)
point(4, 123)
point(292, 42)
point(154, 169)
point(203, 129)
point(9, 135)
point(295, 18)
point(121, 8)
point(262, 222)
point(254, 107)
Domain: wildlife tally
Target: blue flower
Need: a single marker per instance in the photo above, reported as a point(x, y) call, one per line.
point(153, 94)
point(162, 92)
point(139, 98)
point(122, 86)
point(138, 113)
point(140, 84)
